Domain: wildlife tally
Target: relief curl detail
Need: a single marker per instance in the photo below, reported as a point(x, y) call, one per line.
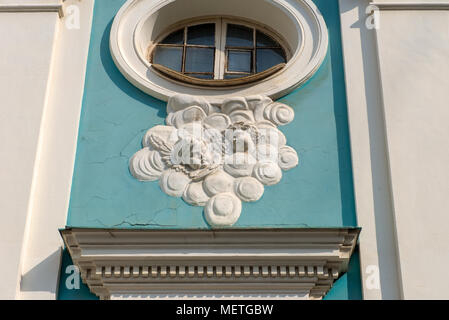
point(217, 156)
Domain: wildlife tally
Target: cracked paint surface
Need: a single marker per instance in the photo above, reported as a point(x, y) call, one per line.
point(116, 115)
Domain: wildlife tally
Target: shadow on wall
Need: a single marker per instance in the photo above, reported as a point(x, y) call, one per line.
point(383, 210)
point(341, 123)
point(334, 62)
point(119, 80)
point(41, 276)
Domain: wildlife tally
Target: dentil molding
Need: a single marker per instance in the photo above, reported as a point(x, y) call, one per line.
point(205, 264)
point(217, 156)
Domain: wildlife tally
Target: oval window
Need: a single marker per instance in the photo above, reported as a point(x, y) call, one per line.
point(218, 53)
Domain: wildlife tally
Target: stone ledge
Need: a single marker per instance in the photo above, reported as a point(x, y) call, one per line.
point(35, 7)
point(425, 5)
point(266, 262)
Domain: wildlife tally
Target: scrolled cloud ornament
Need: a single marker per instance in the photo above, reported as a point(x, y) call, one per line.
point(217, 156)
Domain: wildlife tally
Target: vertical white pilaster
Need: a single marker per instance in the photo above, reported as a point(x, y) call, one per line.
point(42, 67)
point(413, 48)
point(379, 264)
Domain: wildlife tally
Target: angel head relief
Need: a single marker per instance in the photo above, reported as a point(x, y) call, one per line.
point(217, 156)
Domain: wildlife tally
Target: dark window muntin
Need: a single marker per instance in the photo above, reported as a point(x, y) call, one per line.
point(253, 49)
point(228, 74)
point(186, 45)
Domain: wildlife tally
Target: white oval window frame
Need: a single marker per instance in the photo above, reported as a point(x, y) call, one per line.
point(139, 23)
point(220, 23)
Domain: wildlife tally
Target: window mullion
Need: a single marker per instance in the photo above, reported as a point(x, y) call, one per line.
point(184, 52)
point(221, 49)
point(217, 49)
point(254, 62)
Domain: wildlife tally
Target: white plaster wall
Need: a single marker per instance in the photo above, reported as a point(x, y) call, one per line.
point(414, 68)
point(59, 134)
point(25, 61)
point(397, 80)
point(42, 69)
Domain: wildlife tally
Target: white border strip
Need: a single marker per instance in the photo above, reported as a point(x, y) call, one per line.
point(33, 8)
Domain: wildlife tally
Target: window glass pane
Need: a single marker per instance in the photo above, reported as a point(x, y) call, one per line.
point(240, 61)
point(168, 57)
point(265, 41)
point(176, 37)
point(200, 60)
point(235, 76)
point(267, 58)
point(203, 34)
point(201, 76)
point(239, 36)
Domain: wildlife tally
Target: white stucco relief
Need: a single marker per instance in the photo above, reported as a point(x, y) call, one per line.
point(217, 156)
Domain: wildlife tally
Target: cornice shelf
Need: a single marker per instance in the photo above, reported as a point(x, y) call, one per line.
point(36, 7)
point(263, 263)
point(411, 5)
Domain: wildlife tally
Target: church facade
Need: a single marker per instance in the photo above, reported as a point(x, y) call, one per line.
point(207, 149)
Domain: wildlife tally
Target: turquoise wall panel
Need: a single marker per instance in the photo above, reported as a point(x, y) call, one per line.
point(115, 116)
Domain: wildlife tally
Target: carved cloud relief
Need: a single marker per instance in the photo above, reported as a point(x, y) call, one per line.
point(217, 156)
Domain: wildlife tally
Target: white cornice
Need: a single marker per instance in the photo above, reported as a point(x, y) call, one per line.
point(411, 5)
point(155, 263)
point(25, 7)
